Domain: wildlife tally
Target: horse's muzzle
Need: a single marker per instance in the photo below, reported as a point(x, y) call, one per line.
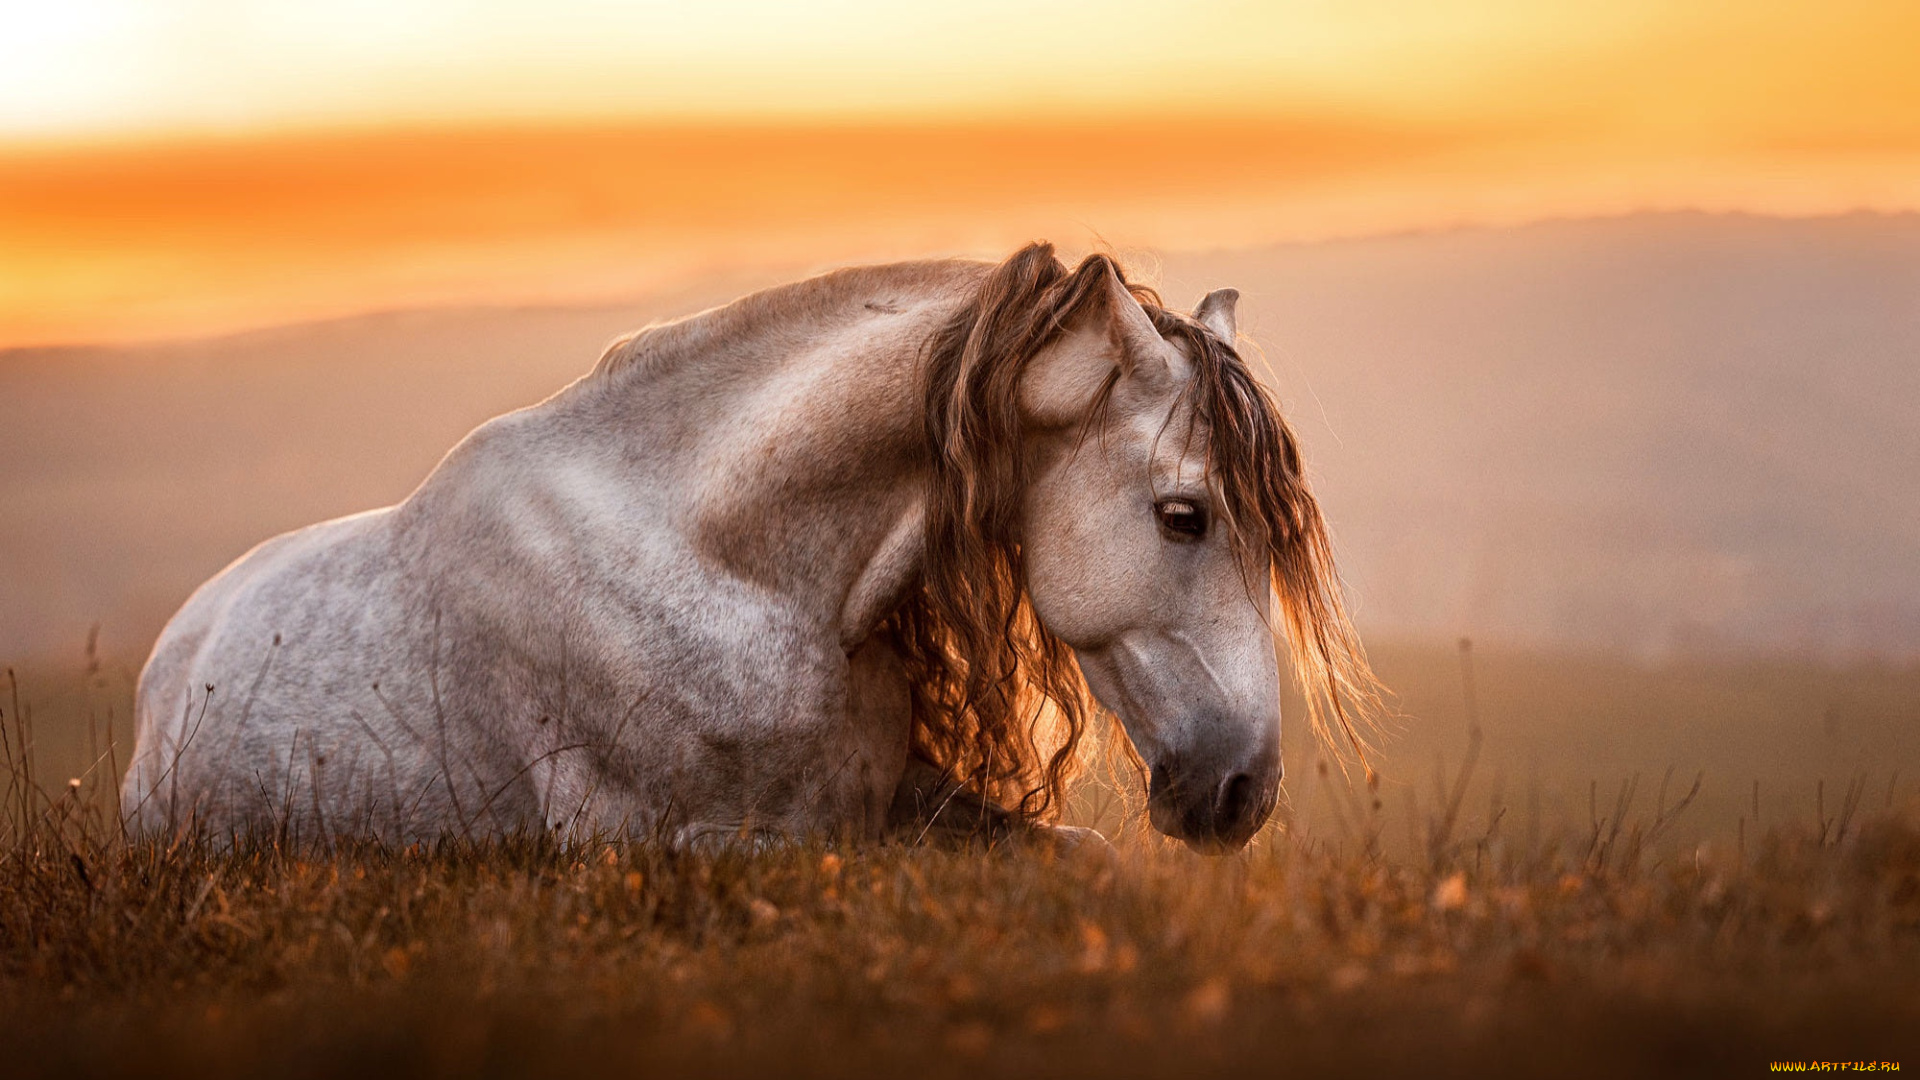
point(1214, 811)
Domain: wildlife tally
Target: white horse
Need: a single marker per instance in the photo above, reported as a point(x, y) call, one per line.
point(844, 558)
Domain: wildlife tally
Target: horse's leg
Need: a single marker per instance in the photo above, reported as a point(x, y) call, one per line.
point(927, 806)
point(931, 807)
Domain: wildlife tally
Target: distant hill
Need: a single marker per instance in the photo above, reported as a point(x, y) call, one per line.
point(1654, 434)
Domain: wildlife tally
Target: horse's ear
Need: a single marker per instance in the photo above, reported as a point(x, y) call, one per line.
point(1133, 331)
point(1110, 330)
point(1216, 313)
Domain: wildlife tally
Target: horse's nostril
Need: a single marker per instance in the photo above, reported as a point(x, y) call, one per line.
point(1236, 799)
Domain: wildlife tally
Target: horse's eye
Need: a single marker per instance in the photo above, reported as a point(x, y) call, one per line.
point(1183, 520)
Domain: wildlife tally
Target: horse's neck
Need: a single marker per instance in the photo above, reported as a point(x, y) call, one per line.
point(789, 450)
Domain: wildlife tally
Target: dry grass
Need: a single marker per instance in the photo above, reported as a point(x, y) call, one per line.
point(1578, 952)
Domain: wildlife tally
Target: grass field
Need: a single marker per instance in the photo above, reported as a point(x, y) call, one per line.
point(1550, 897)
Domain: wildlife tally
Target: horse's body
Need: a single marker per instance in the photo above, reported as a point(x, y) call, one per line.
point(651, 603)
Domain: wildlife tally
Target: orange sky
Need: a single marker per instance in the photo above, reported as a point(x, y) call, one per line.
point(204, 165)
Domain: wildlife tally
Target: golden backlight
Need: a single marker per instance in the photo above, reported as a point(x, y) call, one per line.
point(199, 166)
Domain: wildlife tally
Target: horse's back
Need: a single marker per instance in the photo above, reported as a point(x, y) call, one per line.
point(197, 705)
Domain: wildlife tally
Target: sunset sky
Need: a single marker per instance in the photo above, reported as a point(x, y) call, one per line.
point(205, 165)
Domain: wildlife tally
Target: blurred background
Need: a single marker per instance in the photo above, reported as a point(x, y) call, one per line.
point(1600, 321)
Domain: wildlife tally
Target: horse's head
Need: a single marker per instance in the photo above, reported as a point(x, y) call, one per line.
point(1130, 560)
point(1117, 486)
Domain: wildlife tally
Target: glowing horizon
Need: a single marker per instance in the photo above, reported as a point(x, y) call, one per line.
point(204, 165)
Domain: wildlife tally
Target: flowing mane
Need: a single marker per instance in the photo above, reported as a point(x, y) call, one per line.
point(997, 700)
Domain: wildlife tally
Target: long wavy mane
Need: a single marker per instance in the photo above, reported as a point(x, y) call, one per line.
point(998, 701)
